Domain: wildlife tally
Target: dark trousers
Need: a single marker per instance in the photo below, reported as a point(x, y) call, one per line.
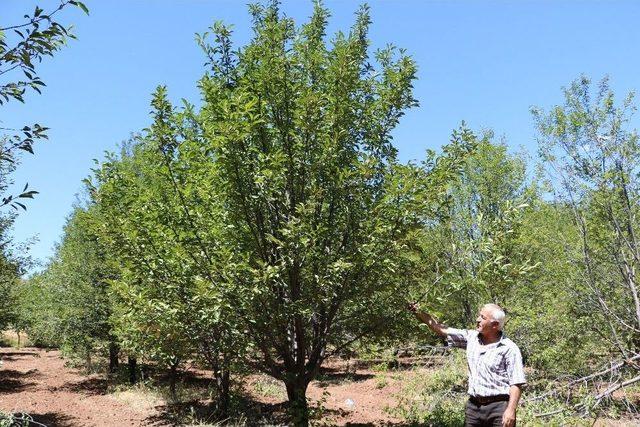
point(484, 415)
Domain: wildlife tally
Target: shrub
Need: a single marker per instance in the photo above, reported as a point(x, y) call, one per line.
point(435, 397)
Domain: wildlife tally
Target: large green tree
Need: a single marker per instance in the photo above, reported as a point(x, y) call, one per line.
point(162, 220)
point(299, 132)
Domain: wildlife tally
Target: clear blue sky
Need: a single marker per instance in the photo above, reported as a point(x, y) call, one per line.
point(483, 62)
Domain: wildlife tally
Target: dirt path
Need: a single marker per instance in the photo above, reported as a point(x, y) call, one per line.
point(36, 382)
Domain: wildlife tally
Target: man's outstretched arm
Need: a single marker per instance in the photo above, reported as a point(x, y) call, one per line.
point(427, 319)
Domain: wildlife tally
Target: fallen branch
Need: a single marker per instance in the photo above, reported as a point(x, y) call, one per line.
point(548, 414)
point(614, 367)
point(598, 398)
point(615, 387)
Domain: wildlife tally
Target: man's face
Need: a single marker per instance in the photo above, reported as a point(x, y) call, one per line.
point(485, 323)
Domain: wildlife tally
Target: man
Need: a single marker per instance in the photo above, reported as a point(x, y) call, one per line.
point(496, 375)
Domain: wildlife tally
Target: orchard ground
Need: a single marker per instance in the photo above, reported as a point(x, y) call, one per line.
point(355, 393)
point(38, 382)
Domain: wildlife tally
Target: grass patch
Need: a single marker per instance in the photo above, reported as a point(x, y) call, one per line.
point(270, 388)
point(435, 397)
point(11, 338)
point(140, 397)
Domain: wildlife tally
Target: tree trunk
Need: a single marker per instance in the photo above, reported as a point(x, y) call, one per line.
point(87, 361)
point(298, 407)
point(173, 374)
point(222, 377)
point(133, 370)
point(114, 352)
point(224, 398)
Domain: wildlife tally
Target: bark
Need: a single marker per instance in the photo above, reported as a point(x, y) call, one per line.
point(224, 397)
point(114, 352)
point(222, 381)
point(173, 375)
point(88, 361)
point(133, 370)
point(297, 394)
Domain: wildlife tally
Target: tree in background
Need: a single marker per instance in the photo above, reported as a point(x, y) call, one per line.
point(594, 159)
point(546, 319)
point(164, 224)
point(475, 244)
point(68, 305)
point(9, 277)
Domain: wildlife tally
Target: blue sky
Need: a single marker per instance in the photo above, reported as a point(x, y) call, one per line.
point(483, 62)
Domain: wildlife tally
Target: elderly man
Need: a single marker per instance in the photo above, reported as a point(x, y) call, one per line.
point(495, 366)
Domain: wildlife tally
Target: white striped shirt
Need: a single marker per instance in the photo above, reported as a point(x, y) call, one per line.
point(493, 368)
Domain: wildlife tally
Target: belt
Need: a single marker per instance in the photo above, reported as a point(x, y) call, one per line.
point(483, 400)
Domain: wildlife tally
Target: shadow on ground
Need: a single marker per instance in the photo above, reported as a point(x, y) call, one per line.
point(12, 381)
point(333, 376)
point(245, 411)
point(93, 386)
point(51, 419)
point(16, 355)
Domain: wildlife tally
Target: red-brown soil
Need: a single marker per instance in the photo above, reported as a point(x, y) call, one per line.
point(348, 398)
point(37, 382)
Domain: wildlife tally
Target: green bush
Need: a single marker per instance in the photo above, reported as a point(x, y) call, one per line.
point(15, 420)
point(436, 397)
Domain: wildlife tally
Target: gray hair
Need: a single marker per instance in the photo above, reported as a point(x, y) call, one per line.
point(497, 314)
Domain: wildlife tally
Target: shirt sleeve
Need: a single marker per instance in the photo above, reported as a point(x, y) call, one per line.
point(457, 337)
point(515, 369)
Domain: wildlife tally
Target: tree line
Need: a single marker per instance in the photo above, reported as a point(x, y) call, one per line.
point(273, 226)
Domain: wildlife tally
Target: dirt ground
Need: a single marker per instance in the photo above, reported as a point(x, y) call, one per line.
point(349, 398)
point(37, 382)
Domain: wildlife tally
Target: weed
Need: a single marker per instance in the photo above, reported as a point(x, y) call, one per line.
point(270, 388)
point(435, 397)
point(381, 381)
point(15, 420)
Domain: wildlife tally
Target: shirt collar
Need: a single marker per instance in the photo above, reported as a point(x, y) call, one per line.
point(501, 340)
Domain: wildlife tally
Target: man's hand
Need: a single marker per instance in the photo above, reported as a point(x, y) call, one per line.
point(509, 417)
point(427, 319)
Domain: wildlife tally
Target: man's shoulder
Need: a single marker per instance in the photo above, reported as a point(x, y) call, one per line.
point(510, 344)
point(460, 338)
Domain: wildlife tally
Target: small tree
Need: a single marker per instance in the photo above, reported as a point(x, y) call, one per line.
point(163, 222)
